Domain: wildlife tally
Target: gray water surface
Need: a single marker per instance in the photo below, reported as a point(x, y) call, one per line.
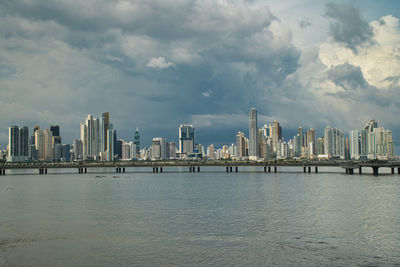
point(199, 219)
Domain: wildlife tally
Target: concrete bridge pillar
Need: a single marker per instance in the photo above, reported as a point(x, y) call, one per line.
point(392, 170)
point(316, 169)
point(375, 170)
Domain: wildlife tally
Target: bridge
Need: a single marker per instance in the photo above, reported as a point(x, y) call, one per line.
point(195, 165)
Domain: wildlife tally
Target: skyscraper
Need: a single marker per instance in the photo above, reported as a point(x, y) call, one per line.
point(78, 149)
point(253, 146)
point(240, 145)
point(18, 143)
point(158, 148)
point(137, 143)
point(354, 144)
point(301, 138)
point(48, 145)
point(186, 139)
point(334, 142)
point(39, 143)
point(110, 143)
point(103, 127)
point(55, 130)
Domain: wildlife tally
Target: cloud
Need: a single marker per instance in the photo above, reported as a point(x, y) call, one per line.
point(159, 63)
point(347, 76)
point(348, 26)
point(378, 62)
point(305, 23)
point(70, 57)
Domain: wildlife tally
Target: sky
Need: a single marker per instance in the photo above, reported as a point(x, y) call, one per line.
point(155, 64)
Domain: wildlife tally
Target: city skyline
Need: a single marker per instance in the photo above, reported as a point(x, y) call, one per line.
point(309, 64)
point(98, 141)
point(231, 138)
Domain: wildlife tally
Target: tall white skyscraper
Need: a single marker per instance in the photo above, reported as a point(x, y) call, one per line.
point(334, 142)
point(110, 143)
point(253, 146)
point(354, 144)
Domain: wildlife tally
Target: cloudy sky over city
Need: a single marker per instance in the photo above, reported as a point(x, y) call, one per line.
point(155, 64)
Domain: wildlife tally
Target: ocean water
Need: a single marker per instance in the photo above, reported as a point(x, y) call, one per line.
point(211, 218)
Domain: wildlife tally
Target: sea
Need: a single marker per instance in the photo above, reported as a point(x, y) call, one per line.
point(206, 218)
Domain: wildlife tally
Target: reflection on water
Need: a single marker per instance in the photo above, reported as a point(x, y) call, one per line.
point(207, 218)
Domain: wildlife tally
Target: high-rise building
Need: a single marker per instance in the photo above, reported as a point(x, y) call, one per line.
point(65, 152)
point(39, 143)
point(126, 151)
point(311, 139)
point(210, 152)
point(276, 134)
point(334, 143)
point(172, 150)
point(354, 144)
point(186, 139)
point(78, 149)
point(158, 148)
point(103, 127)
point(380, 144)
point(301, 137)
point(48, 145)
point(95, 138)
point(110, 143)
point(253, 145)
point(240, 145)
point(296, 146)
point(18, 144)
point(84, 138)
point(55, 129)
point(320, 146)
point(137, 142)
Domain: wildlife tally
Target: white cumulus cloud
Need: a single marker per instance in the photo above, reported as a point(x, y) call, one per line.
point(159, 63)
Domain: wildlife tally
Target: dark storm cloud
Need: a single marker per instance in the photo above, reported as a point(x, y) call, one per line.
point(348, 26)
point(347, 76)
